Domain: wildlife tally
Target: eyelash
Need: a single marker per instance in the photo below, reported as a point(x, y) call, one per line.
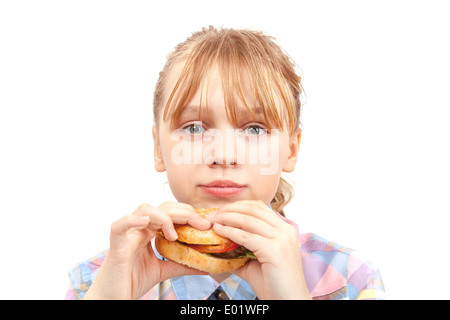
point(252, 125)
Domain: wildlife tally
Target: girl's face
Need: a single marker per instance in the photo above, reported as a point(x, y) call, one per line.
point(210, 161)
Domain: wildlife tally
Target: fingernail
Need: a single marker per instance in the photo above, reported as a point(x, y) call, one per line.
point(174, 234)
point(144, 219)
point(218, 225)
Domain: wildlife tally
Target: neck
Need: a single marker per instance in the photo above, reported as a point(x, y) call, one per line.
point(219, 277)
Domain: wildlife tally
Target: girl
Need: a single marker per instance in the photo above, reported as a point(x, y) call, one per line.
point(223, 96)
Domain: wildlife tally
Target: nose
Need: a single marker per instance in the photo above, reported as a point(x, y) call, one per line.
point(223, 149)
point(223, 159)
point(231, 163)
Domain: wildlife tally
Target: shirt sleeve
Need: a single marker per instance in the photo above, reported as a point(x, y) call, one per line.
point(82, 275)
point(364, 280)
point(70, 293)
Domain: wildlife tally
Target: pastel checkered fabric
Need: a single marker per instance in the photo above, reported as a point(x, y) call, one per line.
point(332, 272)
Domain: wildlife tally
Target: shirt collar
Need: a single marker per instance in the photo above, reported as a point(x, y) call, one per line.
point(201, 287)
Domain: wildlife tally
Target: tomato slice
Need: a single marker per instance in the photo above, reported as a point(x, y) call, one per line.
point(219, 248)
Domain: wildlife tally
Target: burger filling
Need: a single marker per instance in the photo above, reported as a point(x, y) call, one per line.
point(236, 253)
point(228, 250)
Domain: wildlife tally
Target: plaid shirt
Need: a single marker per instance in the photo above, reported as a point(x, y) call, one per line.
point(332, 272)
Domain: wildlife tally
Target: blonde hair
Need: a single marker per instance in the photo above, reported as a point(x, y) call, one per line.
point(243, 57)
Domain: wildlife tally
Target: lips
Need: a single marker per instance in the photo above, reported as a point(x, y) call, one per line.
point(223, 184)
point(223, 188)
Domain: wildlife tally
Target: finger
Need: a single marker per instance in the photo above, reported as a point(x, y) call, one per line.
point(169, 204)
point(121, 226)
point(158, 220)
point(175, 207)
point(252, 208)
point(249, 240)
point(164, 216)
point(244, 222)
point(251, 268)
point(183, 213)
point(191, 218)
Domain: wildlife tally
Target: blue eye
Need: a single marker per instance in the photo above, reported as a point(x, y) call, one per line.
point(194, 129)
point(255, 130)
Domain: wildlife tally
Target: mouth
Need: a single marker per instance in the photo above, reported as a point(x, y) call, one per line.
point(223, 188)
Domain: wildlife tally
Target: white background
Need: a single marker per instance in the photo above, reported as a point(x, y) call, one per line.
point(76, 87)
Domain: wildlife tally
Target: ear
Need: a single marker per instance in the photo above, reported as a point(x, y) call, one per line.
point(159, 162)
point(294, 145)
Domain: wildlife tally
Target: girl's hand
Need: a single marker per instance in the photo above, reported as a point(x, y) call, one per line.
point(131, 268)
point(278, 273)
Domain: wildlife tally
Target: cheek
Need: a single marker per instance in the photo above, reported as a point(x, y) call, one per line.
point(179, 160)
point(272, 153)
point(263, 186)
point(182, 180)
point(179, 150)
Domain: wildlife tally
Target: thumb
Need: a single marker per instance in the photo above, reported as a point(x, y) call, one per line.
point(240, 272)
point(171, 269)
point(251, 269)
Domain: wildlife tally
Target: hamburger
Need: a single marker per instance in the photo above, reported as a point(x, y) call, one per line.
point(204, 250)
